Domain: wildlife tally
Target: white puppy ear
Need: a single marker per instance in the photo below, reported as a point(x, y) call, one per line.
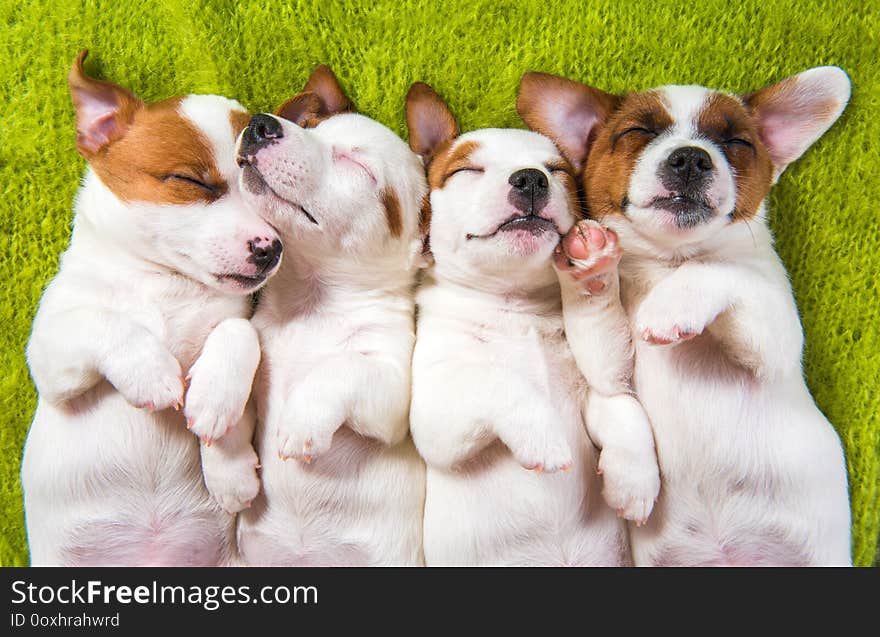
point(323, 83)
point(794, 113)
point(429, 120)
point(104, 110)
point(567, 112)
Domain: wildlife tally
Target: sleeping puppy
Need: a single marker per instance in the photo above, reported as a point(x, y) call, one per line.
point(753, 472)
point(499, 406)
point(343, 483)
point(154, 287)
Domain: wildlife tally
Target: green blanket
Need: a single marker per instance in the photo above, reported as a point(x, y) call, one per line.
point(824, 211)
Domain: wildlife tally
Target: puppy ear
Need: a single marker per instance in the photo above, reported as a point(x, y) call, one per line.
point(104, 111)
point(323, 83)
point(301, 109)
point(429, 120)
point(794, 113)
point(567, 112)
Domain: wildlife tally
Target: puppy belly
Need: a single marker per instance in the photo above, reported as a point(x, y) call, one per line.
point(113, 485)
point(494, 512)
point(753, 473)
point(360, 504)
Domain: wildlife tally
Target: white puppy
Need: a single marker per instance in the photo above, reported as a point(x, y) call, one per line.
point(499, 406)
point(153, 286)
point(753, 473)
point(343, 484)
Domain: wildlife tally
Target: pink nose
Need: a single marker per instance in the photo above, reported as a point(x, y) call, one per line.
point(264, 253)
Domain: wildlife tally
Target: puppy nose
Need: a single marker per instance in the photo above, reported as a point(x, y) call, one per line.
point(529, 190)
point(262, 130)
point(265, 253)
point(528, 180)
point(689, 163)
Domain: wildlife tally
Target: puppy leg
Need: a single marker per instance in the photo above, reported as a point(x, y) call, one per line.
point(368, 392)
point(221, 379)
point(229, 465)
point(598, 333)
point(596, 325)
point(69, 352)
point(458, 410)
point(751, 311)
point(619, 426)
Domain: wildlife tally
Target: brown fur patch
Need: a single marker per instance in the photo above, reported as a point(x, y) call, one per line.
point(155, 156)
point(239, 121)
point(449, 158)
point(725, 118)
point(564, 171)
point(393, 213)
point(616, 150)
point(425, 215)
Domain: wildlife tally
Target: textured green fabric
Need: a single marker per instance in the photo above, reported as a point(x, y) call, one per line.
point(824, 211)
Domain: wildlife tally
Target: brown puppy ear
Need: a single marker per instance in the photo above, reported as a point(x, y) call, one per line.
point(794, 113)
point(429, 120)
point(567, 112)
point(324, 84)
point(104, 110)
point(301, 109)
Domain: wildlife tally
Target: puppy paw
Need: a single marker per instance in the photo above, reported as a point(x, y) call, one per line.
point(631, 483)
point(588, 256)
point(668, 316)
point(233, 483)
point(148, 376)
point(544, 454)
point(306, 429)
point(216, 398)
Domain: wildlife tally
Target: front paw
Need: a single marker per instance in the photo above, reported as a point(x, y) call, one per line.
point(631, 483)
point(215, 400)
point(668, 316)
point(542, 453)
point(306, 429)
point(588, 256)
point(148, 376)
point(233, 483)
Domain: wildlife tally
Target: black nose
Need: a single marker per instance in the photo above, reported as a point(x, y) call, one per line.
point(529, 191)
point(262, 130)
point(265, 254)
point(689, 163)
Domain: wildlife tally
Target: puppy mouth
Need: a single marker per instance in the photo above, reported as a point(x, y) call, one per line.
point(246, 282)
point(533, 224)
point(689, 211)
point(255, 183)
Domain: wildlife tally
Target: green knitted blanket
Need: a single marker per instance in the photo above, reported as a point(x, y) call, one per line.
point(824, 210)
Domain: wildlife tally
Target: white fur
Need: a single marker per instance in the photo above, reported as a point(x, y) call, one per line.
point(343, 484)
point(497, 391)
point(753, 473)
point(106, 481)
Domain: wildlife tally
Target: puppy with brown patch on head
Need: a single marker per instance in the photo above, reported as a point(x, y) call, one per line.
point(342, 481)
point(753, 473)
point(500, 411)
point(152, 290)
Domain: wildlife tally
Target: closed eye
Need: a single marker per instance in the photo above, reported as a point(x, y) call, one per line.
point(342, 156)
point(462, 169)
point(636, 130)
point(737, 141)
point(559, 167)
point(192, 181)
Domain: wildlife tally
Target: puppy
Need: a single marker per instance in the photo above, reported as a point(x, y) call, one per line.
point(153, 287)
point(343, 483)
point(753, 472)
point(499, 405)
